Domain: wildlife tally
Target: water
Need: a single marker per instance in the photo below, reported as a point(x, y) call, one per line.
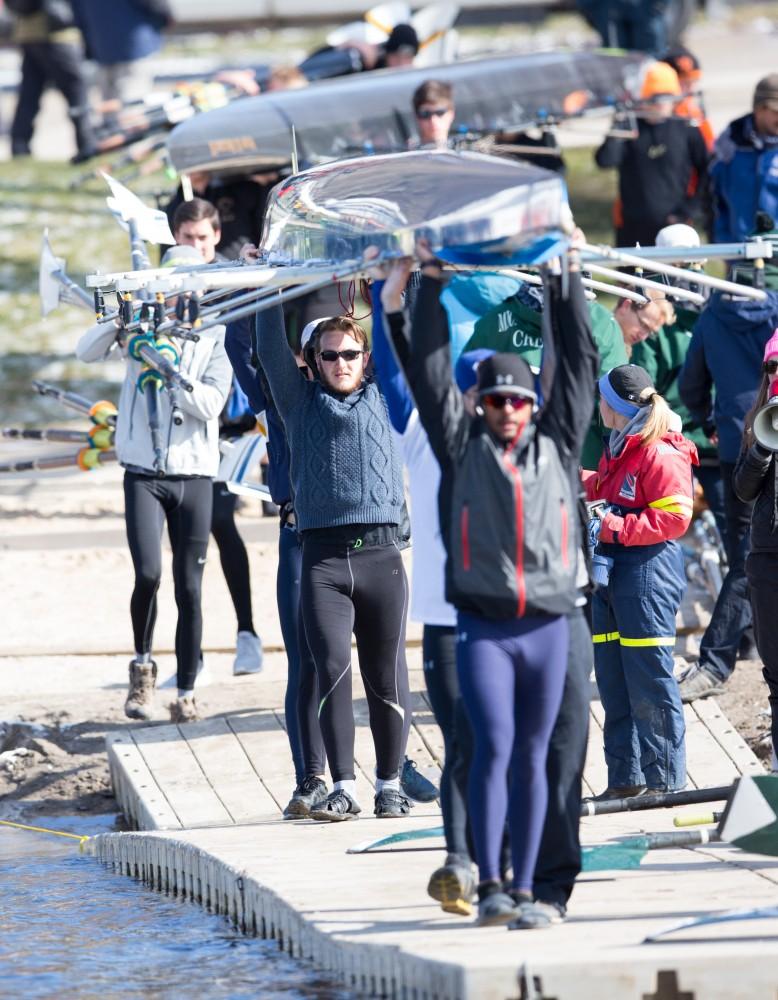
point(71, 928)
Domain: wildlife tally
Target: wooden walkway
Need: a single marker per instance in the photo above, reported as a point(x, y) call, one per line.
point(208, 796)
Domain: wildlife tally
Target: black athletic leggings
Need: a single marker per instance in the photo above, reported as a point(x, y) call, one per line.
point(232, 554)
point(364, 591)
point(186, 506)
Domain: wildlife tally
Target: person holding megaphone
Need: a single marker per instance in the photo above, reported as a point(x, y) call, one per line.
point(756, 479)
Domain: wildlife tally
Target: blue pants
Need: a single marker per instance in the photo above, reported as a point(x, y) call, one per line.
point(633, 626)
point(511, 675)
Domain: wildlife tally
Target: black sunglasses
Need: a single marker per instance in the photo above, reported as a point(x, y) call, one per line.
point(770, 367)
point(332, 356)
point(428, 113)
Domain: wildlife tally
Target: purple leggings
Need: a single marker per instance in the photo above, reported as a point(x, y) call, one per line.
point(511, 674)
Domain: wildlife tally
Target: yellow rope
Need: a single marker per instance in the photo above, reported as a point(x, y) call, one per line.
point(42, 829)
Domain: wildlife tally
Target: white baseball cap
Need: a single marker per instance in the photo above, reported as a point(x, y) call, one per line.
point(308, 330)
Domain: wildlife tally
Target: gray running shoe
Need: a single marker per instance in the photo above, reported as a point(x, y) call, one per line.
point(496, 907)
point(310, 793)
point(453, 886)
point(537, 916)
point(337, 807)
point(183, 710)
point(698, 683)
point(140, 697)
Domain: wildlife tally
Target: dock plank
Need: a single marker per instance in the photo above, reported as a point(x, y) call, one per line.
point(136, 787)
point(728, 738)
point(179, 776)
point(266, 745)
point(229, 771)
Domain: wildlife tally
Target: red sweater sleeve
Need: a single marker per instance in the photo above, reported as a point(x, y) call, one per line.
point(666, 483)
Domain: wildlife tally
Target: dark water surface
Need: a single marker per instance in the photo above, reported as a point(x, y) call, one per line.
point(71, 928)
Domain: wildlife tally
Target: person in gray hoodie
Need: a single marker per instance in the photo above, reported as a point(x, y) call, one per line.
point(182, 496)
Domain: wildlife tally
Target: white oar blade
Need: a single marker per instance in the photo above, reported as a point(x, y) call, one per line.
point(151, 223)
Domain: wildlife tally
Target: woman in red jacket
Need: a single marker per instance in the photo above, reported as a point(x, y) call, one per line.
point(645, 478)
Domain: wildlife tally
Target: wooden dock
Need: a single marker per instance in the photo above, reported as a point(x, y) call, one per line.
point(207, 797)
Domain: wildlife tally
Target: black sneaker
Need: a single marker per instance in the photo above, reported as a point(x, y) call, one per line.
point(391, 804)
point(338, 806)
point(415, 785)
point(309, 793)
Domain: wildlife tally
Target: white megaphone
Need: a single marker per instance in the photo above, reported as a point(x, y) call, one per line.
point(766, 420)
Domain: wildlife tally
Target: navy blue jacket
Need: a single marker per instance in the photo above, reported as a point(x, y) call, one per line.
point(117, 31)
point(744, 180)
point(726, 353)
point(238, 343)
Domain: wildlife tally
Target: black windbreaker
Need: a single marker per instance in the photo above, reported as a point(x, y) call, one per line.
point(662, 174)
point(755, 478)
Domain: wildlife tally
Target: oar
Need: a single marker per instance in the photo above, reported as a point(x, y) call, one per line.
point(86, 459)
point(726, 916)
point(659, 800)
point(396, 838)
point(693, 277)
point(47, 434)
point(628, 853)
point(102, 412)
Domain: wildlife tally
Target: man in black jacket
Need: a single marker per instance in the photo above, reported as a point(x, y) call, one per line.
point(662, 167)
point(508, 519)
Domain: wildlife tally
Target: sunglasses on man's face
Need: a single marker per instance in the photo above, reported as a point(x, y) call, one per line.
point(426, 113)
point(332, 356)
point(637, 308)
point(499, 400)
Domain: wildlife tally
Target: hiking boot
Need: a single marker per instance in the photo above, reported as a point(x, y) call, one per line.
point(537, 916)
point(415, 785)
point(337, 807)
point(453, 886)
point(309, 793)
point(183, 710)
point(140, 697)
point(698, 683)
point(248, 654)
point(495, 906)
point(391, 804)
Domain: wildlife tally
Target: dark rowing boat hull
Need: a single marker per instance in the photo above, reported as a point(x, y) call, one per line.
point(371, 112)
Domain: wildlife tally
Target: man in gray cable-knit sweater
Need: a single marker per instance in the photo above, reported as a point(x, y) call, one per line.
point(346, 475)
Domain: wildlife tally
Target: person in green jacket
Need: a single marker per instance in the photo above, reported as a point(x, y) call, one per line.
point(515, 326)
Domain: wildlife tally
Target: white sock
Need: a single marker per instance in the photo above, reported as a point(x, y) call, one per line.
point(185, 694)
point(382, 783)
point(349, 786)
point(142, 657)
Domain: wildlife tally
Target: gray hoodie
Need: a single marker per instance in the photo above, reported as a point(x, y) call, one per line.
point(192, 447)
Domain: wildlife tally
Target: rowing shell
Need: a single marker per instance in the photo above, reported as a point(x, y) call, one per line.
point(370, 112)
point(472, 208)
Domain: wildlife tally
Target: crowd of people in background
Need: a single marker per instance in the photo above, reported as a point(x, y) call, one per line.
point(561, 439)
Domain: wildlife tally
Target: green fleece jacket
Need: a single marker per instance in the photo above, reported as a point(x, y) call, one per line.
point(662, 356)
point(514, 328)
